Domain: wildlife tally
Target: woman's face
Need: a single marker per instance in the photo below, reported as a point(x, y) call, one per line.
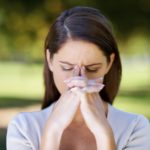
point(81, 53)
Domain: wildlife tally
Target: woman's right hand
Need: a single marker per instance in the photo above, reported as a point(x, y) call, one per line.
point(61, 116)
point(64, 110)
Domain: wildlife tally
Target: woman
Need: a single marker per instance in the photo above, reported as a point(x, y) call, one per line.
point(82, 74)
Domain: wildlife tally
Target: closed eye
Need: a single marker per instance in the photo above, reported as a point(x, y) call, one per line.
point(89, 70)
point(92, 70)
point(66, 68)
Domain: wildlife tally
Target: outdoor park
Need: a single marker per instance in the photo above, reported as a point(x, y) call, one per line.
point(23, 28)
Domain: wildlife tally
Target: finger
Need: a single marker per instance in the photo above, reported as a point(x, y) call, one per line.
point(93, 82)
point(100, 79)
point(74, 78)
point(77, 91)
point(76, 71)
point(75, 74)
point(78, 83)
point(83, 72)
point(87, 89)
point(96, 80)
point(91, 89)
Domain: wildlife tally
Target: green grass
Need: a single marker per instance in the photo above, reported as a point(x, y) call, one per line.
point(134, 95)
point(136, 77)
point(134, 104)
point(21, 80)
point(20, 85)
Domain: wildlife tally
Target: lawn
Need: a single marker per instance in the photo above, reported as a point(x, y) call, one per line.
point(21, 80)
point(21, 85)
point(134, 95)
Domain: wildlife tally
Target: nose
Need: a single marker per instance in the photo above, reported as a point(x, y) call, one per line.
point(77, 69)
point(80, 72)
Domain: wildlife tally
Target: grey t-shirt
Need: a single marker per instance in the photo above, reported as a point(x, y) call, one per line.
point(131, 131)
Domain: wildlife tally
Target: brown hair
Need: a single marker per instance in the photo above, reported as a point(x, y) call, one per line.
point(88, 24)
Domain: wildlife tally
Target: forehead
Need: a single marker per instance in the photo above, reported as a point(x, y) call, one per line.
point(78, 51)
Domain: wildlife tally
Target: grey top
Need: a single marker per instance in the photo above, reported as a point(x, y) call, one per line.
point(131, 131)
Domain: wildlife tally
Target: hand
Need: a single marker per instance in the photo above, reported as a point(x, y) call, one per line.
point(62, 115)
point(93, 85)
point(64, 109)
point(92, 109)
point(91, 104)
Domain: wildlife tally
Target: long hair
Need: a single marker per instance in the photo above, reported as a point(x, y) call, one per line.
point(88, 24)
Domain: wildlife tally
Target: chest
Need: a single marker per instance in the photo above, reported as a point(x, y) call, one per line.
point(77, 140)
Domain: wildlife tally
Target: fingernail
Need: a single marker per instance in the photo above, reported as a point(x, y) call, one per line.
point(83, 71)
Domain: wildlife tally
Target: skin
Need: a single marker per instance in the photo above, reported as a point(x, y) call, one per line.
point(78, 53)
point(82, 109)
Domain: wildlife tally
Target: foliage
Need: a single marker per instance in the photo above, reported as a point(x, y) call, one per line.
point(24, 24)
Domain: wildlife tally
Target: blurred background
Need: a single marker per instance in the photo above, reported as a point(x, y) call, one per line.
point(23, 28)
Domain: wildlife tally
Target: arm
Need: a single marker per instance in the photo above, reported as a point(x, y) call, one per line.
point(54, 136)
point(105, 139)
point(61, 116)
point(22, 134)
point(93, 110)
point(140, 137)
point(16, 138)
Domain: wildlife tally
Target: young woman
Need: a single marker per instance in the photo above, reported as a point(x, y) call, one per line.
point(82, 73)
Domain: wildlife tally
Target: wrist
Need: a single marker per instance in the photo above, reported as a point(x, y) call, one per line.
point(105, 140)
point(55, 130)
point(51, 137)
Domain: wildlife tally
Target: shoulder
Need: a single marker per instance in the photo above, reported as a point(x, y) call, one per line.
point(127, 118)
point(27, 127)
point(25, 118)
point(132, 128)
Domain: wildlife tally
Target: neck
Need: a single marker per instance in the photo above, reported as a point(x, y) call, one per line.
point(78, 118)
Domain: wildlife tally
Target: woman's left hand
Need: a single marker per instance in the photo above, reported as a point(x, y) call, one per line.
point(92, 106)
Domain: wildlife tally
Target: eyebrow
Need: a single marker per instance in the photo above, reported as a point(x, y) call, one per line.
point(64, 62)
